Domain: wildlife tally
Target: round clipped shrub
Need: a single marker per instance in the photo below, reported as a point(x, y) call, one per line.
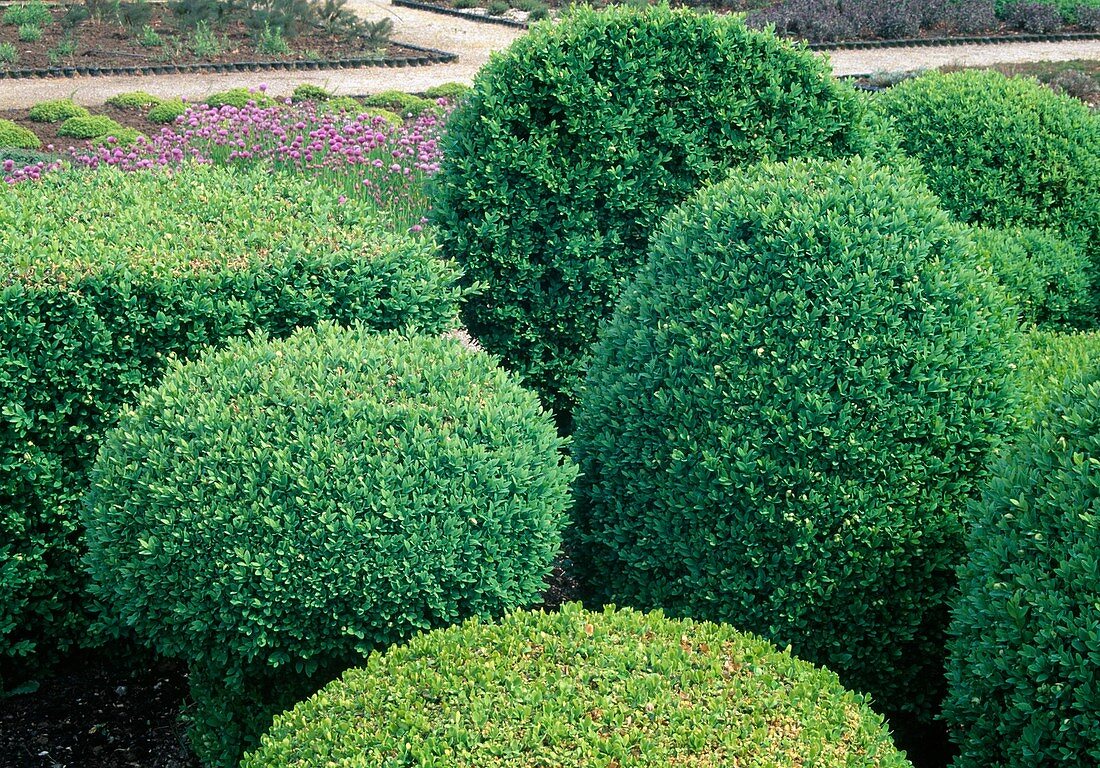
point(1046, 276)
point(786, 415)
point(1004, 151)
point(56, 111)
point(134, 100)
point(90, 127)
point(166, 111)
point(1049, 360)
point(15, 136)
point(581, 688)
point(307, 92)
point(574, 143)
point(105, 275)
point(451, 91)
point(1024, 671)
point(398, 101)
point(123, 138)
point(289, 506)
point(239, 98)
point(340, 104)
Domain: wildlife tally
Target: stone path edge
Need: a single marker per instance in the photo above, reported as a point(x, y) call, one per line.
point(433, 56)
point(842, 45)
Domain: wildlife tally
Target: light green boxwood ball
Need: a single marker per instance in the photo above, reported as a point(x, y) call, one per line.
point(90, 127)
point(574, 143)
point(292, 505)
point(56, 111)
point(15, 136)
point(576, 688)
point(787, 414)
point(1024, 671)
point(1002, 151)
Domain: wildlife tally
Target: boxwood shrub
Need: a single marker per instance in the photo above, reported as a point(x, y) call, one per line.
point(787, 413)
point(103, 277)
point(1049, 360)
point(574, 143)
point(581, 688)
point(1024, 672)
point(57, 111)
point(15, 136)
point(90, 127)
point(1046, 276)
point(279, 509)
point(1004, 151)
point(166, 111)
point(239, 98)
point(134, 100)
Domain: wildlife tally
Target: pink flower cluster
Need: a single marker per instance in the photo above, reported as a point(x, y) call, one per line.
point(359, 156)
point(14, 174)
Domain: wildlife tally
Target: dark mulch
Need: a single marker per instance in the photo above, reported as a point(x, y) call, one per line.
point(109, 44)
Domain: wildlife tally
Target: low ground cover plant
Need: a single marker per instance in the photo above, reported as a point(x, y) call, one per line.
point(605, 688)
point(1004, 152)
point(787, 414)
point(1023, 673)
point(103, 276)
point(347, 489)
point(574, 143)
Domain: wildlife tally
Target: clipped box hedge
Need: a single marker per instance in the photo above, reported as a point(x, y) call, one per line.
point(787, 414)
point(274, 511)
point(1024, 672)
point(575, 142)
point(576, 688)
point(103, 277)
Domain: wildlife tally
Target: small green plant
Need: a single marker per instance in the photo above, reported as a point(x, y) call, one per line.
point(64, 49)
point(399, 101)
point(619, 687)
point(539, 12)
point(74, 15)
point(308, 92)
point(103, 10)
point(135, 16)
point(204, 41)
point(451, 91)
point(239, 98)
point(134, 100)
point(56, 111)
point(30, 33)
point(121, 138)
point(8, 53)
point(270, 40)
point(463, 5)
point(497, 7)
point(346, 104)
point(166, 111)
point(16, 136)
point(89, 127)
point(34, 12)
point(150, 38)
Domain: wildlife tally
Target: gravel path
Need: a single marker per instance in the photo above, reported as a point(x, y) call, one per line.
point(473, 42)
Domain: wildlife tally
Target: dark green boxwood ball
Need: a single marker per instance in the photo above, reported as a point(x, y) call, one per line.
point(576, 688)
point(786, 415)
point(1024, 671)
point(293, 505)
point(575, 142)
point(1046, 276)
point(1004, 151)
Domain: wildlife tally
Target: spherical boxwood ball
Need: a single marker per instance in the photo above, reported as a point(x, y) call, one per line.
point(617, 688)
point(788, 411)
point(299, 503)
point(574, 143)
point(1024, 671)
point(1004, 151)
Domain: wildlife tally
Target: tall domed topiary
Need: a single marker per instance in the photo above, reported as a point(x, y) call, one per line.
point(786, 415)
point(1004, 151)
point(576, 688)
point(273, 512)
point(1024, 671)
point(575, 142)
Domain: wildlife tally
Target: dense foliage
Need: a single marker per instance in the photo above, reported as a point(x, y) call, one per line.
point(282, 508)
point(1048, 362)
point(1004, 151)
point(15, 136)
point(56, 111)
point(1045, 276)
point(574, 143)
point(105, 275)
point(787, 413)
point(616, 688)
point(1025, 665)
point(89, 127)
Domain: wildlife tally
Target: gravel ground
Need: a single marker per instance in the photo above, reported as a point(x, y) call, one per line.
point(473, 42)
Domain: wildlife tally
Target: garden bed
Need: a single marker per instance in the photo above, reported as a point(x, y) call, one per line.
point(164, 42)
